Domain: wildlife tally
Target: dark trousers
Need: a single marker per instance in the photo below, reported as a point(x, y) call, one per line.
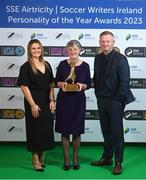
point(111, 121)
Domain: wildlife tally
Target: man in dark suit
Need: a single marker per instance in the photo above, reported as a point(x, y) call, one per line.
point(111, 83)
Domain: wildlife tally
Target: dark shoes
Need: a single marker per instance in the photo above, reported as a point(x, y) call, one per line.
point(67, 167)
point(76, 167)
point(43, 165)
point(102, 162)
point(117, 169)
point(37, 166)
point(39, 170)
point(108, 162)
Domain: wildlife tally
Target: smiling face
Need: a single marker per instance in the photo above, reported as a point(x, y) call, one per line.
point(35, 50)
point(73, 51)
point(106, 43)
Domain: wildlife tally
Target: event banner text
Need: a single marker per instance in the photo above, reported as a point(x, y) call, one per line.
point(47, 14)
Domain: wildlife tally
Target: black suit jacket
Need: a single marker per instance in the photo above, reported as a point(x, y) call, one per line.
point(117, 76)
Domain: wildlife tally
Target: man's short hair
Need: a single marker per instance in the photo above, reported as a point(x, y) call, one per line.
point(106, 33)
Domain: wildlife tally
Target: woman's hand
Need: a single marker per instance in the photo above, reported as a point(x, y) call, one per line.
point(52, 106)
point(35, 110)
point(61, 85)
point(82, 86)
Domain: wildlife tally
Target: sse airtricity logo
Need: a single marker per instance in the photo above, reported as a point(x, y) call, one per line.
point(128, 37)
point(33, 36)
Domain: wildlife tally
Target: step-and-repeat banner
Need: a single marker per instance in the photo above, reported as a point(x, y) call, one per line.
point(56, 22)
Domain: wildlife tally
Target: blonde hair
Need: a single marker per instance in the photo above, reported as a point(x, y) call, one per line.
point(41, 59)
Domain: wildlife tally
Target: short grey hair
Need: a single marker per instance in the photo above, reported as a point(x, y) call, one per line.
point(74, 42)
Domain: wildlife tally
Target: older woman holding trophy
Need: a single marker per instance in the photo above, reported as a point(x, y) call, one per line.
point(72, 79)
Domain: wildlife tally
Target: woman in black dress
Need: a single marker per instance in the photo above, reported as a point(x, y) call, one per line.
point(70, 107)
point(36, 82)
